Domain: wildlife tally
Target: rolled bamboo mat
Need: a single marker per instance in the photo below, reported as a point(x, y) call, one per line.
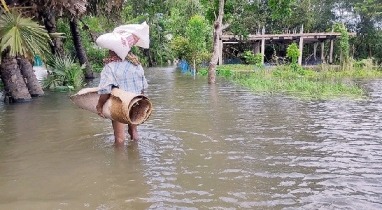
point(122, 106)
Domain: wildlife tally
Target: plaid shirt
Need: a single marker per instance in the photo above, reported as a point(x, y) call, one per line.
point(123, 75)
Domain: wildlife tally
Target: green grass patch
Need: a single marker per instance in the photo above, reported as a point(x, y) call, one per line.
point(301, 83)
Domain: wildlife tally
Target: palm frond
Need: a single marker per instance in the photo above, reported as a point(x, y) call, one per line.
point(64, 72)
point(4, 5)
point(57, 35)
point(22, 36)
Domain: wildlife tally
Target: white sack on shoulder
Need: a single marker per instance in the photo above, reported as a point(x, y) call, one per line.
point(140, 30)
point(117, 41)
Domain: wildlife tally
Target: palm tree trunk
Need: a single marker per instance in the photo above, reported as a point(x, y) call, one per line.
point(14, 84)
point(81, 55)
point(30, 78)
point(51, 26)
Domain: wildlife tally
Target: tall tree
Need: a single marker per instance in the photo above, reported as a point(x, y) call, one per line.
point(80, 51)
point(49, 20)
point(196, 32)
point(218, 28)
point(369, 36)
point(280, 8)
point(362, 17)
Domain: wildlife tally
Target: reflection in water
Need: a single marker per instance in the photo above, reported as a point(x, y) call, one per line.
point(204, 147)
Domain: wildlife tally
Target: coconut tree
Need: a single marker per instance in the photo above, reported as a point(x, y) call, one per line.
point(20, 40)
point(80, 51)
point(49, 19)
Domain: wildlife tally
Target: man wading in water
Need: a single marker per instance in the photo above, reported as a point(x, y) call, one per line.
point(122, 70)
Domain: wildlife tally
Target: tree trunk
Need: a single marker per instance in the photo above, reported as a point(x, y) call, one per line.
point(215, 54)
point(30, 78)
point(81, 55)
point(56, 46)
point(147, 53)
point(14, 84)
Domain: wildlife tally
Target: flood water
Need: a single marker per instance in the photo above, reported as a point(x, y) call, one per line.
point(204, 147)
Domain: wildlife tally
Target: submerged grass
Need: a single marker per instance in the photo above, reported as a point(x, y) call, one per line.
point(300, 87)
point(301, 83)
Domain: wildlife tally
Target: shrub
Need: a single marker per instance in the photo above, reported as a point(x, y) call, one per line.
point(63, 72)
point(293, 53)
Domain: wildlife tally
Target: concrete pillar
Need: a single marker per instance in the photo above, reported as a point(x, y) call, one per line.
point(220, 49)
point(257, 47)
point(322, 52)
point(263, 49)
point(331, 51)
point(301, 46)
point(315, 50)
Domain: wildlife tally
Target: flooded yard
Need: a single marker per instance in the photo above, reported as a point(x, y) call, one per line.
point(204, 147)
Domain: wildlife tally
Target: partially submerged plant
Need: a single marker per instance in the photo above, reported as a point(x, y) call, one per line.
point(64, 73)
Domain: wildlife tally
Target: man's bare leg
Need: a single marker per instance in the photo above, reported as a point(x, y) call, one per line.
point(119, 132)
point(133, 131)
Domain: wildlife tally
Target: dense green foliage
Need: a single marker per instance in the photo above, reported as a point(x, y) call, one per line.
point(183, 28)
point(344, 46)
point(175, 20)
point(193, 46)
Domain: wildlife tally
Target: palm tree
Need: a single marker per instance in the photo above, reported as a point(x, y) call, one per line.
point(80, 51)
point(49, 20)
point(20, 40)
